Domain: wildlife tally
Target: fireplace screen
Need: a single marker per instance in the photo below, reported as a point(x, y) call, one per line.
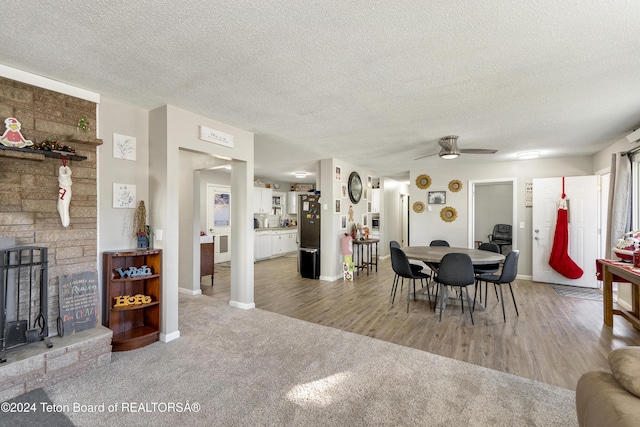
point(23, 297)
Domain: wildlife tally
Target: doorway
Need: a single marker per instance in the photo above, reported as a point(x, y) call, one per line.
point(491, 202)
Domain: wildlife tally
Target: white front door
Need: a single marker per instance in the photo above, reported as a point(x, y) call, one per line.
point(219, 220)
point(582, 193)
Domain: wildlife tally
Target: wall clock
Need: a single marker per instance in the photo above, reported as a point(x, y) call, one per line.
point(355, 187)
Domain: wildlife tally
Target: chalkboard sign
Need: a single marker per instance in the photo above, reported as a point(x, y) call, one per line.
point(79, 302)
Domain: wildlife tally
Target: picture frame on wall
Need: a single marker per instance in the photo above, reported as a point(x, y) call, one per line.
point(124, 147)
point(338, 206)
point(365, 220)
point(437, 197)
point(338, 173)
point(343, 222)
point(124, 196)
point(343, 190)
point(369, 181)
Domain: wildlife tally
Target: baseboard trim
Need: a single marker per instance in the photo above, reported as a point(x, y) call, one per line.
point(189, 292)
point(242, 305)
point(524, 277)
point(169, 337)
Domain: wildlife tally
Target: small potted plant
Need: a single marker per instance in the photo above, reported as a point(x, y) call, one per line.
point(140, 227)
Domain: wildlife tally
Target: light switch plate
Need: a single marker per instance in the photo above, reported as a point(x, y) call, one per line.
point(522, 225)
point(158, 234)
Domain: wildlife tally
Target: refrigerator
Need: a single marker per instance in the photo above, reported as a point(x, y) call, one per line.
point(309, 235)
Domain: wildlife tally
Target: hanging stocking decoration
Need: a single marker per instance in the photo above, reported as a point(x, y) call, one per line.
point(64, 190)
point(560, 260)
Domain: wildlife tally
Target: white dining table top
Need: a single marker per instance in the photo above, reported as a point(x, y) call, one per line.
point(434, 254)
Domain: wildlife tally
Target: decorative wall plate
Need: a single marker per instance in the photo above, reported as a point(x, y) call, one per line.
point(418, 207)
point(455, 186)
point(423, 181)
point(448, 214)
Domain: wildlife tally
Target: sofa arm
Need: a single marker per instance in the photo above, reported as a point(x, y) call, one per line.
point(601, 401)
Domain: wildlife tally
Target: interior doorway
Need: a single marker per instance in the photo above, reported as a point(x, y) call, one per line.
point(491, 202)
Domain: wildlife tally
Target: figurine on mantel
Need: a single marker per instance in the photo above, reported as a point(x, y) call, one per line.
point(12, 137)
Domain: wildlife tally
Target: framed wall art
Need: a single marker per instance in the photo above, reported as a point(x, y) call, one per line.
point(124, 147)
point(437, 197)
point(124, 196)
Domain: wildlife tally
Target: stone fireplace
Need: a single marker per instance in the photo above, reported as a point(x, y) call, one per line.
point(29, 216)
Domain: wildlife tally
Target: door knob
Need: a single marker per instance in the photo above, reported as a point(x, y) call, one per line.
point(536, 230)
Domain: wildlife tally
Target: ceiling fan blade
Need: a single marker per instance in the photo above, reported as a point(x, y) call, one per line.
point(425, 156)
point(478, 151)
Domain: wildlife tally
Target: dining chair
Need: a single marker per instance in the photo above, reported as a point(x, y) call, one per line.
point(456, 269)
point(487, 268)
point(414, 267)
point(439, 243)
point(508, 275)
point(402, 268)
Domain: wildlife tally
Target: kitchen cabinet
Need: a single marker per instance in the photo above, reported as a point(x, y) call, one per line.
point(292, 202)
point(375, 200)
point(262, 200)
point(262, 245)
point(283, 242)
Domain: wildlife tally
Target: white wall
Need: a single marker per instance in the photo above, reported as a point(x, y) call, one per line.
point(428, 226)
point(493, 205)
point(390, 213)
point(115, 226)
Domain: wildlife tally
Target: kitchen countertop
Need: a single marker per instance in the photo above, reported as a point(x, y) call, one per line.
point(275, 228)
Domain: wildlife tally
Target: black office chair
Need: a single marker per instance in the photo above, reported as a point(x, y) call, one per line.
point(402, 268)
point(487, 269)
point(439, 243)
point(415, 268)
point(508, 275)
point(501, 235)
point(456, 269)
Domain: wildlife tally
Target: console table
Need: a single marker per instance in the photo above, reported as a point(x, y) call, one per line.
point(364, 258)
point(207, 256)
point(616, 271)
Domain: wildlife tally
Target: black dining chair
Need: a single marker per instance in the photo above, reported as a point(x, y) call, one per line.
point(402, 268)
point(456, 269)
point(508, 275)
point(439, 243)
point(415, 267)
point(487, 268)
point(501, 235)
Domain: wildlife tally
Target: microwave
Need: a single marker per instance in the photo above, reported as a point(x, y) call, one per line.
point(375, 222)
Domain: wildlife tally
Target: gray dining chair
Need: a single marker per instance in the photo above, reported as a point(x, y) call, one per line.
point(487, 269)
point(456, 269)
point(508, 275)
point(416, 268)
point(402, 268)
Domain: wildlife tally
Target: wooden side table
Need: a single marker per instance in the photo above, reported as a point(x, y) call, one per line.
point(207, 257)
point(364, 258)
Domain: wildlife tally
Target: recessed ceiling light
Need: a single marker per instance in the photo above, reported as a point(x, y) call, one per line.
point(528, 155)
point(300, 175)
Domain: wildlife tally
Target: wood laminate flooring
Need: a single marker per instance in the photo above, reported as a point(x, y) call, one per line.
point(554, 340)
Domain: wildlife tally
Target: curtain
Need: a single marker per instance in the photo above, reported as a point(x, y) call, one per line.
point(619, 211)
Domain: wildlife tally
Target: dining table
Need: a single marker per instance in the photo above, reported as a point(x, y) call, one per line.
point(432, 256)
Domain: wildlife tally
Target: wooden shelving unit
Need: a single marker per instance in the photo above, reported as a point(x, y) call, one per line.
point(133, 326)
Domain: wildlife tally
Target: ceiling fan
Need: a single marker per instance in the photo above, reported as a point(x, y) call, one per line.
point(450, 149)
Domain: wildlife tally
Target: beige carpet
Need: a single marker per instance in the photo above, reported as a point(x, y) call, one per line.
point(248, 368)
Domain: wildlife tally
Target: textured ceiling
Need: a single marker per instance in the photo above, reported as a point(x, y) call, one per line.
point(375, 83)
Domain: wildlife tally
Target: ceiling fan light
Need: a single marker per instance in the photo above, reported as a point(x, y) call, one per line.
point(526, 155)
point(300, 175)
point(448, 154)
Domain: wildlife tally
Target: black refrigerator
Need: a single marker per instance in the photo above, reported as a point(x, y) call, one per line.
point(309, 235)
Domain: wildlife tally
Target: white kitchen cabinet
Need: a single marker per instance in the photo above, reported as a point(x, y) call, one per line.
point(262, 200)
point(292, 202)
point(283, 242)
point(262, 245)
point(375, 200)
point(291, 242)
